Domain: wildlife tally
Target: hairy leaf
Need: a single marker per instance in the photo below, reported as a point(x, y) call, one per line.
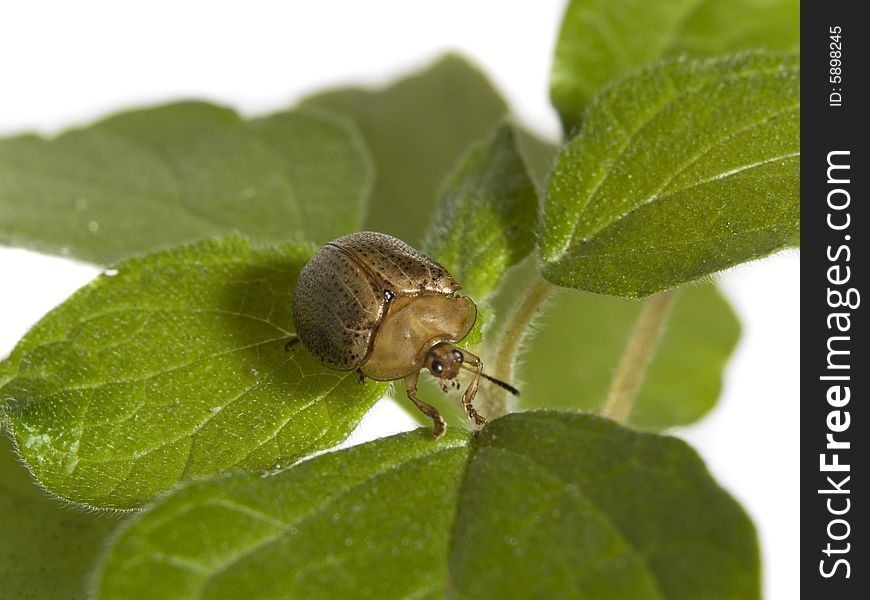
point(372, 521)
point(46, 549)
point(417, 129)
point(154, 178)
point(603, 40)
point(173, 366)
point(538, 505)
point(485, 221)
point(556, 503)
point(680, 171)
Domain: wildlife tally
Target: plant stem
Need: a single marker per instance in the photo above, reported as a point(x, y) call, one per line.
point(637, 355)
point(498, 402)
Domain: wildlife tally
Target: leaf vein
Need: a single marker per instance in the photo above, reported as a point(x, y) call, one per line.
point(667, 100)
point(604, 515)
point(300, 519)
point(705, 151)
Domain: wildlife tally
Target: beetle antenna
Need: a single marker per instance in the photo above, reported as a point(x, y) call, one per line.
point(502, 384)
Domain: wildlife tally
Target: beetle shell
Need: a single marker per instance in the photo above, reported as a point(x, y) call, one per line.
point(343, 293)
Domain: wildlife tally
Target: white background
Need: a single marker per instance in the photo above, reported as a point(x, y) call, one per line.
point(64, 64)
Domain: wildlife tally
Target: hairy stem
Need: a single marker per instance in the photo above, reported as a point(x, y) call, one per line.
point(636, 357)
point(498, 402)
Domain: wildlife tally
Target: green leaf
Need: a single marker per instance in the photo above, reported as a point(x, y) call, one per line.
point(417, 129)
point(154, 178)
point(535, 506)
point(603, 40)
point(485, 220)
point(47, 549)
point(570, 357)
point(680, 171)
point(369, 521)
point(173, 366)
point(575, 503)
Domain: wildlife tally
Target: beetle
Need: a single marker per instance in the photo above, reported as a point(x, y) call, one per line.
point(369, 301)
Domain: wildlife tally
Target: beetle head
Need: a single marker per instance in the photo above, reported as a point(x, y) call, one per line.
point(444, 361)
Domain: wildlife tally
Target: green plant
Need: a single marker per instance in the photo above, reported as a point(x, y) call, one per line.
point(165, 384)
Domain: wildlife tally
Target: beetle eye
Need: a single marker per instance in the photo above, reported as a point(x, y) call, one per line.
point(457, 356)
point(436, 367)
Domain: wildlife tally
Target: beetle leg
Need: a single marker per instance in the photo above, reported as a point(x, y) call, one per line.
point(471, 391)
point(292, 342)
point(362, 378)
point(426, 409)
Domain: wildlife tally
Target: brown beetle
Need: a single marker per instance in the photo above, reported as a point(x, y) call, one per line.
point(370, 302)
